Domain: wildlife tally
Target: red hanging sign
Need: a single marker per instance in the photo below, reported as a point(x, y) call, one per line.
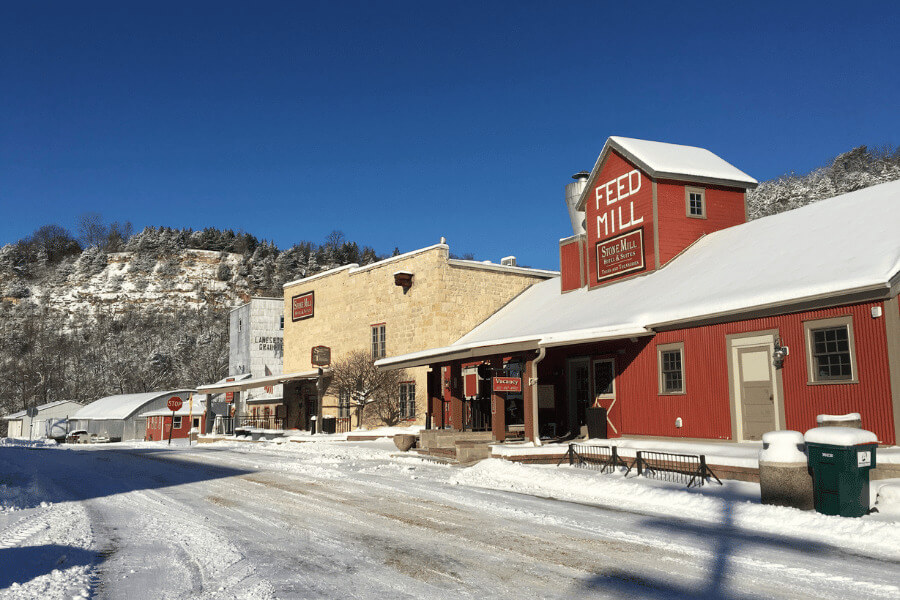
point(507, 384)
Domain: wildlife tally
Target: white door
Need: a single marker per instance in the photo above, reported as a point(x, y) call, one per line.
point(754, 389)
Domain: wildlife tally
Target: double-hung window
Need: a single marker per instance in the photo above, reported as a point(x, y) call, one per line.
point(670, 360)
point(831, 357)
point(176, 422)
point(408, 400)
point(343, 403)
point(378, 341)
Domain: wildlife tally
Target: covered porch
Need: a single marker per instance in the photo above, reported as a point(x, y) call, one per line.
point(296, 410)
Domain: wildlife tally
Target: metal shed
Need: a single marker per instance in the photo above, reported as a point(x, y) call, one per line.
point(119, 417)
point(50, 420)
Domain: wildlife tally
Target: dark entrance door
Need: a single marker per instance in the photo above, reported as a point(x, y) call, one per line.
point(578, 379)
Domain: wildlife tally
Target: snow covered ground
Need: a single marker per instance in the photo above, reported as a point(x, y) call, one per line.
point(328, 519)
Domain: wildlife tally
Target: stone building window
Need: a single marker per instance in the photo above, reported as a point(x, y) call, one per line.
point(378, 341)
point(408, 400)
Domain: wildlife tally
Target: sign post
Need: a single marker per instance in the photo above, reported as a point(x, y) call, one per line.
point(174, 404)
point(31, 412)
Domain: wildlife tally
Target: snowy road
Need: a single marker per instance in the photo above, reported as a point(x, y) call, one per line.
point(328, 520)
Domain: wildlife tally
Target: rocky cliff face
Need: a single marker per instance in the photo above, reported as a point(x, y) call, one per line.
point(198, 278)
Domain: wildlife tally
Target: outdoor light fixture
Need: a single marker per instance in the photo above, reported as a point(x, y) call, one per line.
point(779, 353)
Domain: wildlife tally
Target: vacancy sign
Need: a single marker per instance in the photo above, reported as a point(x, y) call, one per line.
point(507, 384)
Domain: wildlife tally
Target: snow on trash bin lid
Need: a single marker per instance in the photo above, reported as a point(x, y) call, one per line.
point(782, 447)
point(850, 417)
point(840, 436)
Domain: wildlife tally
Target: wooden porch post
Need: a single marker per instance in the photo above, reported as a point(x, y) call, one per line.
point(432, 389)
point(456, 402)
point(498, 404)
point(528, 401)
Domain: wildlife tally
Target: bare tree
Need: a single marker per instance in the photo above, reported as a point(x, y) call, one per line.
point(356, 376)
point(91, 230)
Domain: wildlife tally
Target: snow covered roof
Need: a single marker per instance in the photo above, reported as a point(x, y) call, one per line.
point(242, 383)
point(833, 250)
point(121, 406)
point(661, 160)
point(185, 410)
point(474, 264)
point(22, 413)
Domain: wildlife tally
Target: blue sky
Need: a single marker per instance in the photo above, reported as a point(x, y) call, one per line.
point(401, 122)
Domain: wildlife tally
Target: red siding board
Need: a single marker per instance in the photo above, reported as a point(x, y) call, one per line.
point(677, 231)
point(705, 408)
point(570, 265)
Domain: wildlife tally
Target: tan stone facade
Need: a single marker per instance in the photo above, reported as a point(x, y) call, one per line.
point(448, 298)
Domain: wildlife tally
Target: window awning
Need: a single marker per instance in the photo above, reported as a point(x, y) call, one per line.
point(247, 384)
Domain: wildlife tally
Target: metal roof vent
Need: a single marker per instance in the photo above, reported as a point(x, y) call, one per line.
point(508, 261)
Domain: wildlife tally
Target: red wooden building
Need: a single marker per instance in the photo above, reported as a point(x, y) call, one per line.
point(682, 320)
point(160, 422)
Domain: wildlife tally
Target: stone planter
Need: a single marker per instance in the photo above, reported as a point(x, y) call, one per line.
point(404, 441)
point(784, 478)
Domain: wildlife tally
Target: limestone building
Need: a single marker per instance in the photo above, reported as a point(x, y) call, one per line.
point(400, 305)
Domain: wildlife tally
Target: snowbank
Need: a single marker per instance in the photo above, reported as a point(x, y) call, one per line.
point(867, 536)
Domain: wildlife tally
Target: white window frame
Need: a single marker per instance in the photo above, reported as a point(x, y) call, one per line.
point(687, 202)
point(660, 350)
point(176, 422)
point(196, 423)
point(611, 394)
point(406, 400)
point(812, 373)
point(378, 341)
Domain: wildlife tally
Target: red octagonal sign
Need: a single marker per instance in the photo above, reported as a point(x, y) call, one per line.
point(174, 403)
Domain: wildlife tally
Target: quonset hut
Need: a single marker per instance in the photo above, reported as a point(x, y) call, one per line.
point(121, 417)
point(675, 318)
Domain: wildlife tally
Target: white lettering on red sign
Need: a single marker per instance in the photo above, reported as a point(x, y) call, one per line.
point(613, 191)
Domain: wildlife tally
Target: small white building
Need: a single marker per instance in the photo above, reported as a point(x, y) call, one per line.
point(48, 422)
point(120, 418)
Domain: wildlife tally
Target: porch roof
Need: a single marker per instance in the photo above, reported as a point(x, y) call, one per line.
point(258, 382)
point(836, 251)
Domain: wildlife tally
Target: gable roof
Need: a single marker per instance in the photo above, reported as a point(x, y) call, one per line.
point(661, 160)
point(22, 413)
point(844, 249)
point(121, 406)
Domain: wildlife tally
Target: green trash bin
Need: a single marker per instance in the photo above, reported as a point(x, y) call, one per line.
point(839, 461)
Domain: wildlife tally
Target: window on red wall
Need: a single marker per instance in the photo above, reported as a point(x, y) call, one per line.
point(176, 423)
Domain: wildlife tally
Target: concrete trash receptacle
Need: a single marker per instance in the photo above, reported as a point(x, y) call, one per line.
point(840, 460)
point(784, 478)
point(404, 441)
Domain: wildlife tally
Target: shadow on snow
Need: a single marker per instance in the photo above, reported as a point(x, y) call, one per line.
point(713, 581)
point(30, 476)
point(22, 564)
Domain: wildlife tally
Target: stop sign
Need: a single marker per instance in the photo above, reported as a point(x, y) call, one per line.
point(174, 403)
